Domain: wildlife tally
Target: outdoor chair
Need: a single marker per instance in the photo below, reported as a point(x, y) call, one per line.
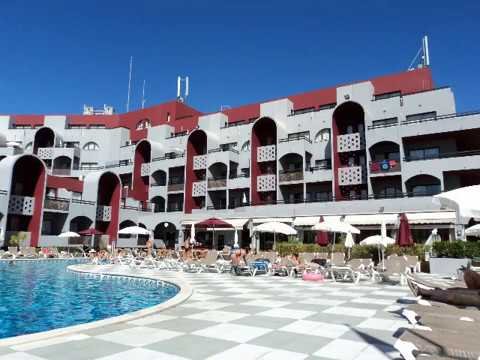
point(337, 259)
point(209, 262)
point(413, 263)
point(343, 273)
point(395, 269)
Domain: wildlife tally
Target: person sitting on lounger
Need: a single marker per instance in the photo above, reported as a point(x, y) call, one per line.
point(469, 296)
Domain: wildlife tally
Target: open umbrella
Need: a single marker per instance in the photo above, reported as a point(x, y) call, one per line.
point(473, 230)
point(134, 230)
point(214, 223)
point(322, 237)
point(90, 232)
point(404, 236)
point(69, 234)
point(335, 227)
point(275, 227)
point(463, 200)
point(377, 240)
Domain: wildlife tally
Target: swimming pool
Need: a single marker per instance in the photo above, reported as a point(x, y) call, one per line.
point(42, 295)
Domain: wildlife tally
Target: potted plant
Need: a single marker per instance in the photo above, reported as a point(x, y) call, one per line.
point(449, 256)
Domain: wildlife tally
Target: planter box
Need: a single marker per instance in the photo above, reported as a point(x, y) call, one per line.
point(446, 266)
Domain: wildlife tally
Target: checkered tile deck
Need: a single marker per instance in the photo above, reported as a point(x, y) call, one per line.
point(245, 318)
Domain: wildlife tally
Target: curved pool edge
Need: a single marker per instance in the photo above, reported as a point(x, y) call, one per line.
point(174, 278)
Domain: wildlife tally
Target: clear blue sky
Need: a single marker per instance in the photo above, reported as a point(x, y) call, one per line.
point(57, 55)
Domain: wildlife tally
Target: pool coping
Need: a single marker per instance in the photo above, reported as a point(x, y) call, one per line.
point(185, 291)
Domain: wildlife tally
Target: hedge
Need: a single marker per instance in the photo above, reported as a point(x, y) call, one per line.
point(358, 251)
point(457, 249)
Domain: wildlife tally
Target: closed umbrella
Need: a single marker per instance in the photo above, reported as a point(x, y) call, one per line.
point(349, 243)
point(322, 237)
point(192, 234)
point(433, 237)
point(235, 239)
point(404, 236)
point(335, 227)
point(214, 223)
point(275, 227)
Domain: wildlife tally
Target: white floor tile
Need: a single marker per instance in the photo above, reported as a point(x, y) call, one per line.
point(52, 341)
point(203, 297)
point(369, 300)
point(342, 349)
point(251, 296)
point(372, 352)
point(382, 324)
point(233, 332)
point(217, 316)
point(395, 294)
point(254, 352)
point(20, 356)
point(266, 303)
point(350, 311)
point(139, 336)
point(287, 313)
point(206, 305)
point(316, 328)
point(151, 319)
point(142, 354)
point(323, 302)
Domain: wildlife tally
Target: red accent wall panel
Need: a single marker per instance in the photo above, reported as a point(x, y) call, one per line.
point(70, 184)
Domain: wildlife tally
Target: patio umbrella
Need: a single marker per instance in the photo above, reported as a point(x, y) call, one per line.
point(349, 243)
point(463, 200)
point(275, 227)
point(235, 239)
point(69, 234)
point(134, 230)
point(433, 237)
point(192, 234)
point(90, 232)
point(378, 240)
point(322, 237)
point(335, 227)
point(214, 223)
point(404, 236)
point(473, 231)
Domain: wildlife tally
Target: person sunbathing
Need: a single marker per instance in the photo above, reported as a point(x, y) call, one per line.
point(469, 296)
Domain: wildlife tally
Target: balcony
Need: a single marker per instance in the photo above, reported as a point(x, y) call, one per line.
point(53, 152)
point(266, 183)
point(62, 172)
point(385, 166)
point(290, 176)
point(438, 155)
point(175, 184)
point(145, 169)
point(217, 183)
point(21, 205)
point(266, 153)
point(104, 213)
point(200, 162)
point(350, 142)
point(352, 175)
point(199, 188)
point(57, 204)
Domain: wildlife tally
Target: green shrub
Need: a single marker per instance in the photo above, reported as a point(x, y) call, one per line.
point(456, 249)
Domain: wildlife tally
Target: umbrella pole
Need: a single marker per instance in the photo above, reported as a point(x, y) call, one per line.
point(274, 240)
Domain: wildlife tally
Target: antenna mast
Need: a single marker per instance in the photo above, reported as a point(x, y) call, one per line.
point(129, 83)
point(143, 95)
point(425, 59)
point(180, 97)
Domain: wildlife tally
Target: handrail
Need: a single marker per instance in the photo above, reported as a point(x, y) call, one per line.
point(179, 134)
point(443, 155)
point(3, 192)
point(238, 123)
point(433, 118)
point(219, 149)
point(84, 202)
point(171, 155)
point(296, 138)
point(241, 175)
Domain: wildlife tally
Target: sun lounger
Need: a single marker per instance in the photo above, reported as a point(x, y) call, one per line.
point(29, 252)
point(337, 259)
point(395, 269)
point(343, 273)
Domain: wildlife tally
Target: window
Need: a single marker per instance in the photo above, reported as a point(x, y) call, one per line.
point(385, 122)
point(246, 146)
point(387, 95)
point(424, 154)
point(97, 126)
point(28, 146)
point(228, 146)
point(71, 144)
point(323, 136)
point(421, 116)
point(426, 190)
point(299, 135)
point(91, 146)
point(88, 165)
point(143, 124)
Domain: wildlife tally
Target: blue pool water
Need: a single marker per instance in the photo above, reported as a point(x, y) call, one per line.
point(42, 295)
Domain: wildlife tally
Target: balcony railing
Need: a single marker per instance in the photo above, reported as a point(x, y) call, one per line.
point(351, 175)
point(443, 155)
point(104, 213)
point(217, 182)
point(83, 202)
point(350, 142)
point(295, 137)
point(174, 207)
point(171, 155)
point(3, 192)
point(21, 205)
point(266, 183)
point(239, 175)
point(199, 188)
point(266, 153)
point(286, 176)
point(199, 162)
point(385, 166)
point(145, 169)
point(62, 172)
point(323, 165)
point(235, 151)
point(58, 204)
point(175, 183)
